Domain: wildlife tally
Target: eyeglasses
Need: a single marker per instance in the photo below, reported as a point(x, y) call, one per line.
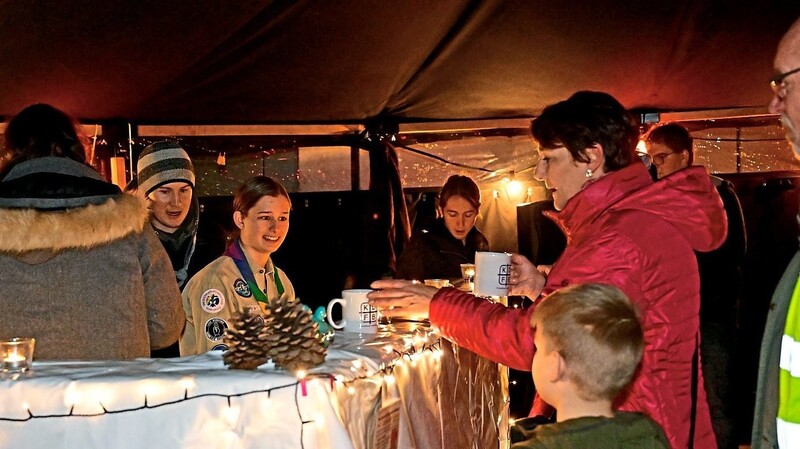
point(778, 87)
point(659, 159)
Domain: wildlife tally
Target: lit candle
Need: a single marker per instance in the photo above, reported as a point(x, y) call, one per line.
point(14, 362)
point(16, 354)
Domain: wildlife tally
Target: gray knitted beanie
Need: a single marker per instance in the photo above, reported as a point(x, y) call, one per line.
point(161, 163)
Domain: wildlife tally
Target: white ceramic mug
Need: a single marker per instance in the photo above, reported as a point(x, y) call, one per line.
point(492, 273)
point(357, 314)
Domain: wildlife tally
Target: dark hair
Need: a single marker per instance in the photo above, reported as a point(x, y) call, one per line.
point(587, 118)
point(595, 329)
point(41, 130)
point(255, 188)
point(463, 186)
point(673, 136)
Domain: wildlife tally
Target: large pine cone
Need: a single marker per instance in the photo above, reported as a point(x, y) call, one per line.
point(247, 340)
point(294, 342)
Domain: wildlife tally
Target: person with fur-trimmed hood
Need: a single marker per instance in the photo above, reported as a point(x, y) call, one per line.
point(81, 270)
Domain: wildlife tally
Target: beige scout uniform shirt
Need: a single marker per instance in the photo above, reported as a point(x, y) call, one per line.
point(215, 293)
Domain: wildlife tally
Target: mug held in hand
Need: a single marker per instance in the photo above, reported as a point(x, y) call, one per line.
point(492, 273)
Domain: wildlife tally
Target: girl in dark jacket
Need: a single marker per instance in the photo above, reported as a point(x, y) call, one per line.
point(438, 251)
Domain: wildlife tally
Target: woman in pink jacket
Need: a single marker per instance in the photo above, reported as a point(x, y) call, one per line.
point(622, 229)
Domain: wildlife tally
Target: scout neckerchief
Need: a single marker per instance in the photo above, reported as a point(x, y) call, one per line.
point(235, 252)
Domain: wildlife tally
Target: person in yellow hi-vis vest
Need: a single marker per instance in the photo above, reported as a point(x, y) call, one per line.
point(244, 277)
point(776, 422)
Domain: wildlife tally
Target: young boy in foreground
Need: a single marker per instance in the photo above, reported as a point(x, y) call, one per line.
point(588, 345)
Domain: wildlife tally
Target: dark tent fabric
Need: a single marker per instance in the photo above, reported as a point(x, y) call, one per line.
point(222, 62)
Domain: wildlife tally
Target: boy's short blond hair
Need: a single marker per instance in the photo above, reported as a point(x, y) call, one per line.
point(595, 329)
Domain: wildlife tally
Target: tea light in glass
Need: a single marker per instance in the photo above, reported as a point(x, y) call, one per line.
point(16, 354)
point(467, 273)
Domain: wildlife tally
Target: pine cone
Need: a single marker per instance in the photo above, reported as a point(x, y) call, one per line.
point(294, 342)
point(247, 340)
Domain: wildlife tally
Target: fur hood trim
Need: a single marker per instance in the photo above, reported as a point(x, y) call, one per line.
point(25, 230)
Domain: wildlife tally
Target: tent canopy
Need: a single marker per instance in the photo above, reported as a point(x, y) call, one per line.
point(304, 61)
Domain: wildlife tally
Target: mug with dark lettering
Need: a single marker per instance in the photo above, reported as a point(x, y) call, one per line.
point(492, 273)
point(357, 314)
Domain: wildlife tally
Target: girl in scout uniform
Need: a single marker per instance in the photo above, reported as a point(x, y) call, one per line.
point(243, 277)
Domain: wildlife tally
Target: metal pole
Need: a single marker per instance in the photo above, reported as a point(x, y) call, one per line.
point(355, 168)
point(738, 150)
point(130, 152)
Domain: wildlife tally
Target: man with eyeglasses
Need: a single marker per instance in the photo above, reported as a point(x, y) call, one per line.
point(776, 422)
point(671, 148)
point(786, 98)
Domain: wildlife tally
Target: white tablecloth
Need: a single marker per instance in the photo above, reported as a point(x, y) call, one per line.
point(196, 402)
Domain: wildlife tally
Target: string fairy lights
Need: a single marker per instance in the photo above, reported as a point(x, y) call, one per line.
point(76, 399)
point(91, 400)
point(341, 401)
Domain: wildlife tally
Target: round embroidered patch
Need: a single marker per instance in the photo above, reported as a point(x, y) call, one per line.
point(219, 347)
point(241, 288)
point(255, 308)
point(215, 328)
point(212, 300)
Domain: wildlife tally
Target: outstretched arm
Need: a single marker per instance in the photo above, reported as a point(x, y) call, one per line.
point(402, 299)
point(490, 330)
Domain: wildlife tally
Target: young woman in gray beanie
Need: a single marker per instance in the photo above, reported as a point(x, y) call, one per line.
point(165, 176)
point(81, 271)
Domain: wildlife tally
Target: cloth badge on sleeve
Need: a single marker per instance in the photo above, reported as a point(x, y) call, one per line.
point(241, 288)
point(212, 300)
point(215, 328)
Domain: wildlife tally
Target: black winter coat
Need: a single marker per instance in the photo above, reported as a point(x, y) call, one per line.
point(434, 253)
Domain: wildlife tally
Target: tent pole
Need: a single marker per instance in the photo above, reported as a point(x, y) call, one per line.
point(130, 152)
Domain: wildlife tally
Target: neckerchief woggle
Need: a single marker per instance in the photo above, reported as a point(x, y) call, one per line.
point(235, 252)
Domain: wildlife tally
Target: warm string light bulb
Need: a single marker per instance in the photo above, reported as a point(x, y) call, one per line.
point(150, 389)
point(71, 396)
point(103, 397)
point(231, 415)
point(187, 383)
point(319, 420)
